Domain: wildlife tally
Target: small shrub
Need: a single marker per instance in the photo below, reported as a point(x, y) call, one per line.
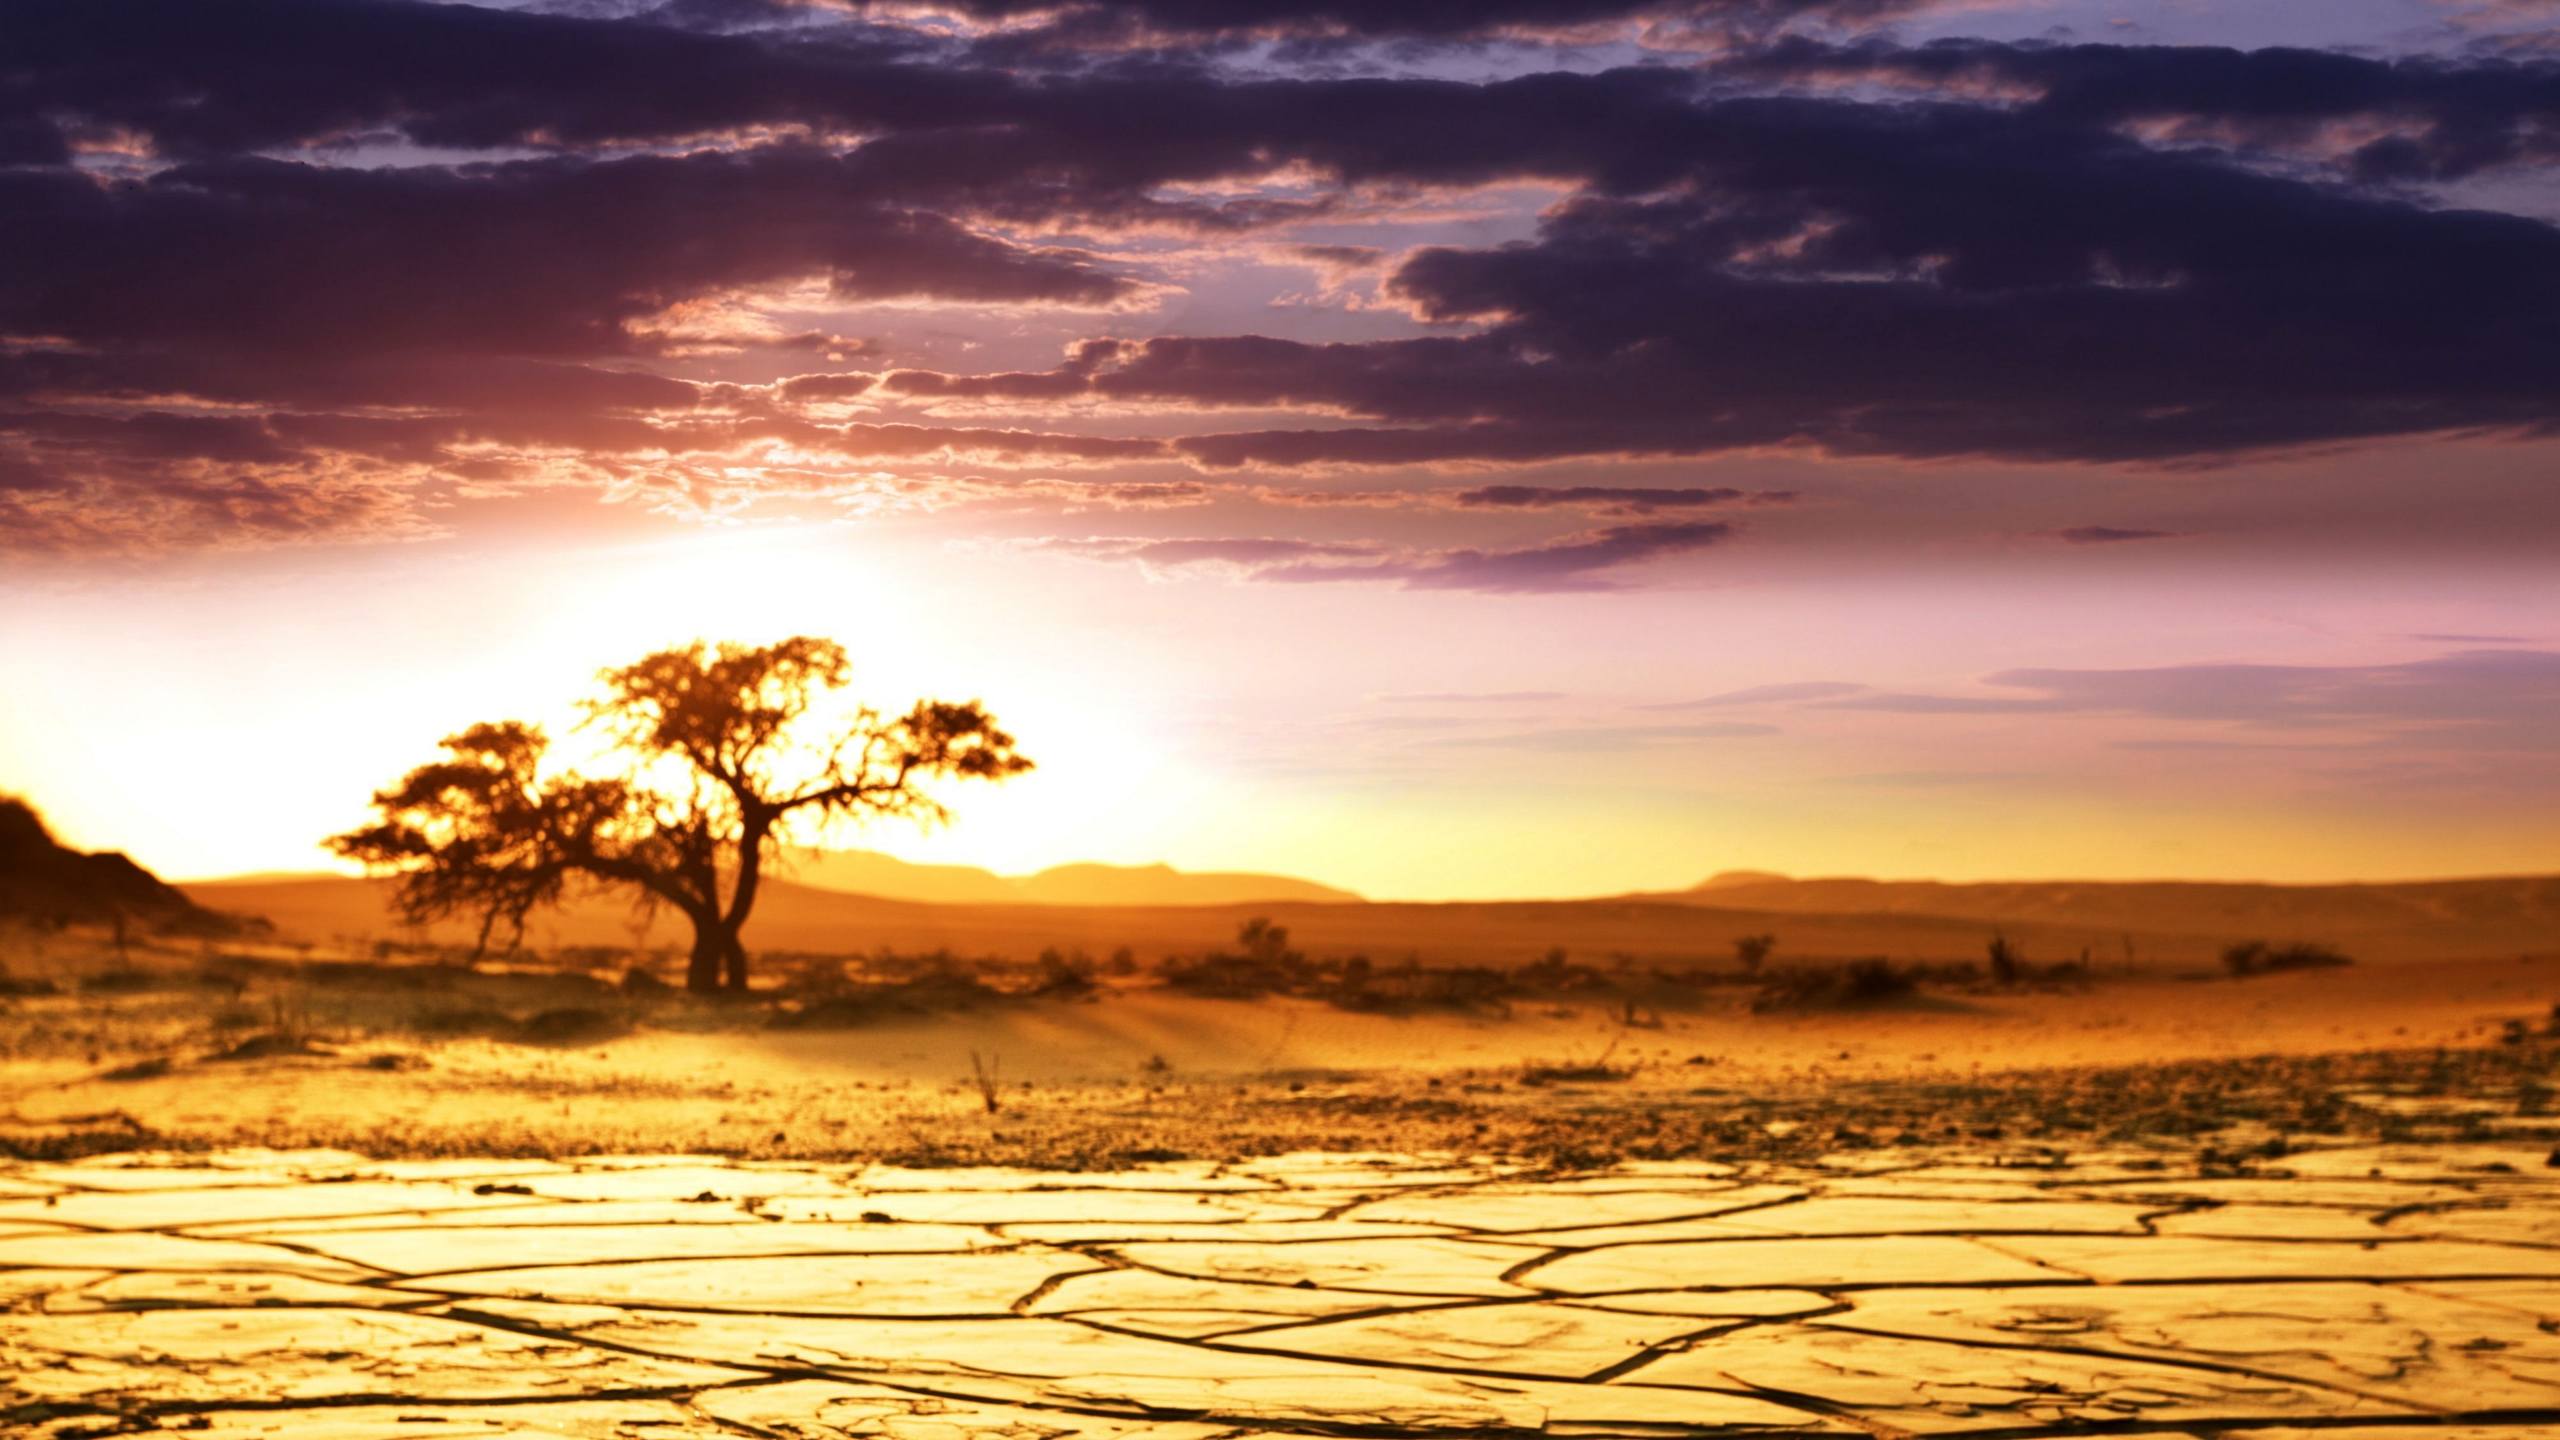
point(1263, 940)
point(1262, 964)
point(1752, 951)
point(1555, 974)
point(2257, 957)
point(1875, 978)
point(1065, 975)
point(643, 983)
point(2008, 966)
point(1872, 981)
point(933, 984)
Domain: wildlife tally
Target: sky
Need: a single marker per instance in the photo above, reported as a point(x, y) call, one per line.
point(1510, 448)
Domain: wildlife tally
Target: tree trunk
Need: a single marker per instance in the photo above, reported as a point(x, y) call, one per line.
point(733, 951)
point(702, 972)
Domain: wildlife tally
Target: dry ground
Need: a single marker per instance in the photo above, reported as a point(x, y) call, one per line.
point(209, 1047)
point(2355, 1292)
point(275, 1191)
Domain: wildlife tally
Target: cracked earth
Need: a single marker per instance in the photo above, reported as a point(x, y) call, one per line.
point(2363, 1292)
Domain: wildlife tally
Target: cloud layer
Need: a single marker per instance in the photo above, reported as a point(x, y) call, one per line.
point(296, 268)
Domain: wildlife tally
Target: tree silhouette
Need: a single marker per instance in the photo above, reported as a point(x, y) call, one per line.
point(723, 767)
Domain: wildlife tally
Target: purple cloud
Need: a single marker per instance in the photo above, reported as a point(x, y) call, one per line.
point(2111, 535)
point(1574, 563)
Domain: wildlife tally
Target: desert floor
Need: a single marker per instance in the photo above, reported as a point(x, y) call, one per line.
point(281, 1195)
point(2363, 1291)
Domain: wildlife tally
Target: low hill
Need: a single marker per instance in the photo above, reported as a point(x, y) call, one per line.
point(1673, 931)
point(1163, 885)
point(2479, 916)
point(796, 917)
point(868, 872)
point(44, 882)
point(1736, 879)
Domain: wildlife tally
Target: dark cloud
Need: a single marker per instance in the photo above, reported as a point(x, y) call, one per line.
point(1241, 552)
point(226, 263)
point(1612, 499)
point(202, 81)
point(1920, 281)
point(1044, 29)
point(804, 389)
point(2440, 118)
point(551, 257)
point(1379, 18)
point(1573, 563)
point(2111, 535)
point(1945, 280)
point(247, 75)
point(257, 76)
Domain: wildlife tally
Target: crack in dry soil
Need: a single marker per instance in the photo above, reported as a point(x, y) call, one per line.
point(2374, 1291)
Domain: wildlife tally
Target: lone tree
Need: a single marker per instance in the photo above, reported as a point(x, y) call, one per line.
point(728, 759)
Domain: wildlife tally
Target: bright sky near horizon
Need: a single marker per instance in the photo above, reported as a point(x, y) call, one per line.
point(1550, 447)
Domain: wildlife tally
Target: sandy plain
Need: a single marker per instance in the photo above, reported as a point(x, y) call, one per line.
point(283, 1188)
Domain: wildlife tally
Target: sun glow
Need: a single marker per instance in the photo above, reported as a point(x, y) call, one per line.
point(1094, 757)
point(509, 638)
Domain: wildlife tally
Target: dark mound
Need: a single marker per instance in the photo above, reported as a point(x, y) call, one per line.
point(44, 882)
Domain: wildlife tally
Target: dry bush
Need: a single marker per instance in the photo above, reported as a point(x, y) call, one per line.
point(1871, 981)
point(1067, 975)
point(938, 982)
point(2257, 957)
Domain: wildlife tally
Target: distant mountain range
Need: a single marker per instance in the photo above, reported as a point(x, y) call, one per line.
point(855, 900)
point(2172, 926)
point(868, 872)
point(2521, 911)
point(44, 882)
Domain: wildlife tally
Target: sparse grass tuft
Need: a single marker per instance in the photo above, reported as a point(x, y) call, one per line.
point(983, 1072)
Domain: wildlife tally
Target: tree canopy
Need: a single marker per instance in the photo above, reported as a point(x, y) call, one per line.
point(729, 751)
